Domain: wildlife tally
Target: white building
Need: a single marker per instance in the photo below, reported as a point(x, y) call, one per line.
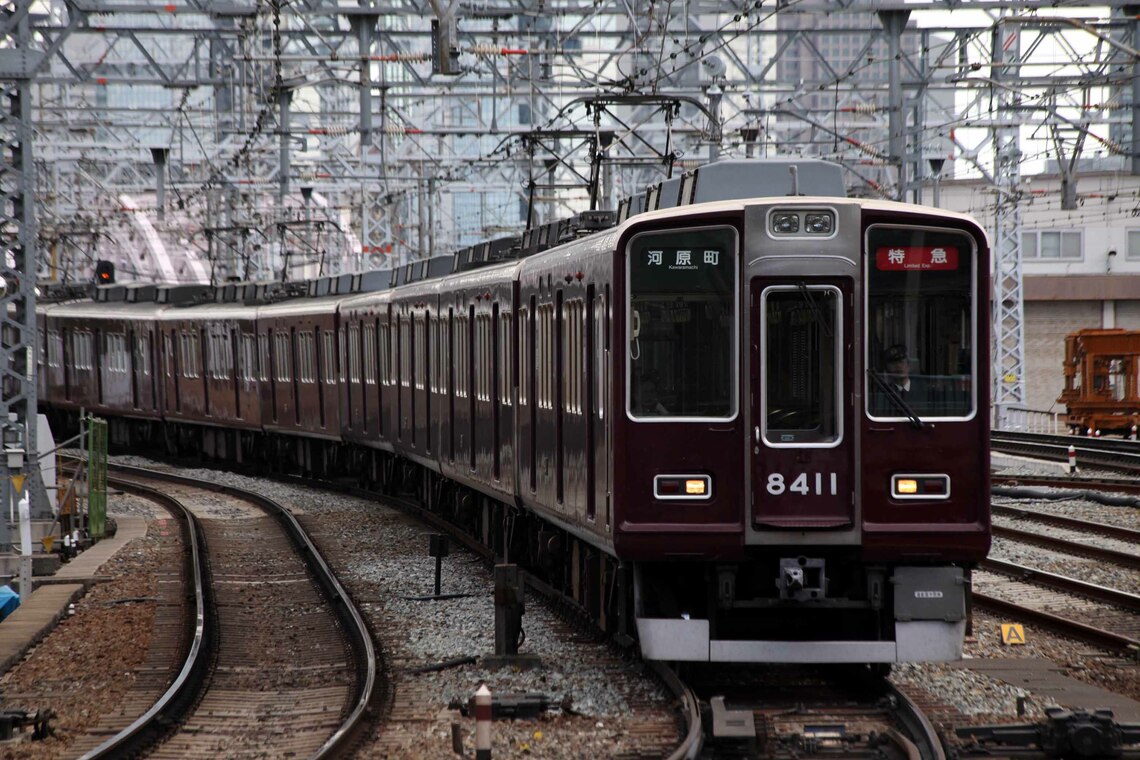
point(1081, 267)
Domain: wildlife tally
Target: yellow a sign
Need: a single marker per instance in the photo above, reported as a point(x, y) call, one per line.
point(18, 483)
point(1012, 633)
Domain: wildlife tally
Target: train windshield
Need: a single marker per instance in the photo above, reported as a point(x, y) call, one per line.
point(681, 324)
point(921, 322)
point(802, 335)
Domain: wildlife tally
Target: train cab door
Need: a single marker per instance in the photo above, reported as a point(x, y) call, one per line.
point(802, 446)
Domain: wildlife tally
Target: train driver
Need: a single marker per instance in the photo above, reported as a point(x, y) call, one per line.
point(912, 390)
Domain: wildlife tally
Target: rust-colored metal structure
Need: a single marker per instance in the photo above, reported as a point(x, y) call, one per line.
point(1101, 389)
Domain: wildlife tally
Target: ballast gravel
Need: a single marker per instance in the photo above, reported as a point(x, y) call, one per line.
point(598, 706)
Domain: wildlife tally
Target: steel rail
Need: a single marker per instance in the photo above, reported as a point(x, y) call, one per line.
point(352, 622)
point(1121, 455)
point(1108, 555)
point(1122, 599)
point(689, 748)
point(1112, 531)
point(918, 727)
point(183, 692)
point(1088, 633)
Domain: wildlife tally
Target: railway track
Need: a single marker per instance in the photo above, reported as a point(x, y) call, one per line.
point(1120, 455)
point(673, 739)
point(1096, 613)
point(810, 712)
point(296, 682)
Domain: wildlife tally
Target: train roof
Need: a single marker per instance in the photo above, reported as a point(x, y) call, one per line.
point(88, 309)
point(215, 311)
point(321, 305)
point(739, 204)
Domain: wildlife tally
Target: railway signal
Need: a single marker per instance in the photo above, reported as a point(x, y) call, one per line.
point(104, 273)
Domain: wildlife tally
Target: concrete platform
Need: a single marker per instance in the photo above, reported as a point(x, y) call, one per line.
point(38, 615)
point(1047, 680)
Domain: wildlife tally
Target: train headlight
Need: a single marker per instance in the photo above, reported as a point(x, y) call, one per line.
point(920, 486)
point(670, 487)
point(785, 223)
point(819, 223)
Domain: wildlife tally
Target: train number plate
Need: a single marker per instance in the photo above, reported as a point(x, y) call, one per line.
point(804, 484)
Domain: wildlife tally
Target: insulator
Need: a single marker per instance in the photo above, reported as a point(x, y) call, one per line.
point(484, 49)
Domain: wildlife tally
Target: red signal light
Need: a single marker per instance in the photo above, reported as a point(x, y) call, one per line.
point(104, 273)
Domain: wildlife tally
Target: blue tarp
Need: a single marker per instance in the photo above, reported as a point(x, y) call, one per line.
point(9, 601)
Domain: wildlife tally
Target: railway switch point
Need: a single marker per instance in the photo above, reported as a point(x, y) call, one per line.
point(1063, 733)
point(437, 547)
point(739, 725)
point(509, 609)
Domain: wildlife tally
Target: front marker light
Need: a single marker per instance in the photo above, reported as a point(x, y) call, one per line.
point(920, 485)
point(682, 486)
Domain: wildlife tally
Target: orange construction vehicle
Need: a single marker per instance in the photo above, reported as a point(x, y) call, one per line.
point(1101, 388)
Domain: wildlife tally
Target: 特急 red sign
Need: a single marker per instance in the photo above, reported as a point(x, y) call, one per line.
point(916, 257)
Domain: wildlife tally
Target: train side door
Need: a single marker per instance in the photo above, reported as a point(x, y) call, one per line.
point(801, 438)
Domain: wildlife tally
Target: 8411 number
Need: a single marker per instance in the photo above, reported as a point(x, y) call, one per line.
point(805, 484)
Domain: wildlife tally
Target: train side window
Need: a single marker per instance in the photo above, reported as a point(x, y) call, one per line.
point(370, 354)
point(419, 360)
point(53, 352)
point(682, 325)
point(433, 353)
point(211, 355)
point(196, 343)
point(524, 354)
point(354, 353)
point(248, 359)
point(801, 333)
point(286, 358)
point(572, 337)
point(328, 356)
point(263, 357)
point(407, 351)
point(922, 317)
point(144, 353)
point(505, 375)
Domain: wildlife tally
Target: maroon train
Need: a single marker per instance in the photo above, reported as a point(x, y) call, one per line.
point(687, 419)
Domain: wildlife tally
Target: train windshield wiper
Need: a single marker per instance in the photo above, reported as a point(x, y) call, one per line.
point(816, 311)
point(895, 398)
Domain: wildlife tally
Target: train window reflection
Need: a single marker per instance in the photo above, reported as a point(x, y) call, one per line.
point(801, 335)
point(681, 324)
point(921, 319)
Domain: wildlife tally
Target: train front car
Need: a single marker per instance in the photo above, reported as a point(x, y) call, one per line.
point(802, 468)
